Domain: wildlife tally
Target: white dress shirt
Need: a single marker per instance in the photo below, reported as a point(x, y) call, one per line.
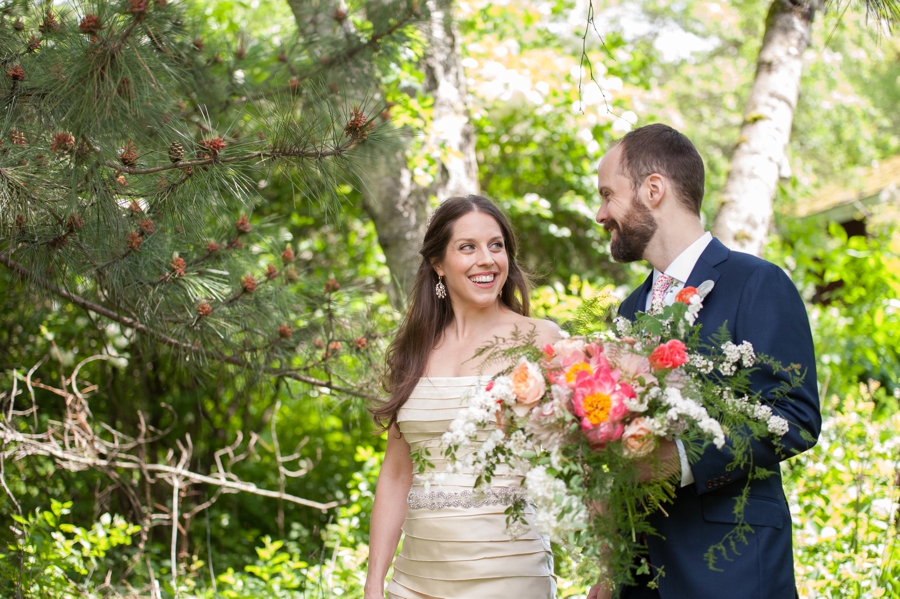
point(680, 270)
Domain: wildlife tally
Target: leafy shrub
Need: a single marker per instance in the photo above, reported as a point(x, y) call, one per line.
point(61, 561)
point(844, 500)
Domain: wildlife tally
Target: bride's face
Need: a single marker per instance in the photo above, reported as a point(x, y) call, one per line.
point(475, 266)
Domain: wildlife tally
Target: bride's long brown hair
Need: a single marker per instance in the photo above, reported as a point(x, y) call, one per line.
point(428, 315)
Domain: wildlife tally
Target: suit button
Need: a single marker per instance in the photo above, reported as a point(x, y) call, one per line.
point(709, 484)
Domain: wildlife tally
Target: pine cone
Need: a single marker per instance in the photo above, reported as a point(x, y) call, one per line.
point(133, 241)
point(243, 225)
point(248, 283)
point(16, 73)
point(358, 127)
point(91, 25)
point(62, 143)
point(178, 266)
point(331, 285)
point(50, 24)
point(176, 152)
point(128, 156)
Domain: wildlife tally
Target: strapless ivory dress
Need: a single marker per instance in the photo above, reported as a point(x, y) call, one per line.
point(455, 545)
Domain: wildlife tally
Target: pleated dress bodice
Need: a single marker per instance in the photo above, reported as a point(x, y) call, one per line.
point(455, 543)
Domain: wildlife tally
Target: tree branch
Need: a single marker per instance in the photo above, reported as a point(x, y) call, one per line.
point(129, 322)
point(270, 155)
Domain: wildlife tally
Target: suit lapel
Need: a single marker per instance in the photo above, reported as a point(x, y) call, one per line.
point(705, 269)
point(637, 300)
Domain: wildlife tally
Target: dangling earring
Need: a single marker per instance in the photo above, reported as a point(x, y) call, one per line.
point(439, 289)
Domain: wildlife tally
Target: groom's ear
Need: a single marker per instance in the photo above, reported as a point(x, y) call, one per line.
point(656, 187)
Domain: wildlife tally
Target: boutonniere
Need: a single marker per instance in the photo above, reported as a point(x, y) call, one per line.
point(693, 297)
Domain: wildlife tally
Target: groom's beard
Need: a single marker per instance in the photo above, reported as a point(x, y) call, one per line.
point(635, 231)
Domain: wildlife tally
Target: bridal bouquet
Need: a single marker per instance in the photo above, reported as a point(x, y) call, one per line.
point(581, 418)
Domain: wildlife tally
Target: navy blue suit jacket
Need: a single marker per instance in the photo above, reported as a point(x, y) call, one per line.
point(759, 304)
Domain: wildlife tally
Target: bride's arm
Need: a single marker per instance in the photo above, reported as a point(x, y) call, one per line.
point(388, 512)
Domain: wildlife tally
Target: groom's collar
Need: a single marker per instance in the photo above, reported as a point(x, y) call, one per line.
point(682, 266)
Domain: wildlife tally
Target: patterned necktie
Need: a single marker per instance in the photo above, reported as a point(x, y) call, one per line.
point(660, 287)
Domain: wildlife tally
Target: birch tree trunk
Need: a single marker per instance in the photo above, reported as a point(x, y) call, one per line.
point(759, 158)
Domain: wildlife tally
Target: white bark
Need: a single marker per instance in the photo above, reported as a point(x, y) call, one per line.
point(745, 215)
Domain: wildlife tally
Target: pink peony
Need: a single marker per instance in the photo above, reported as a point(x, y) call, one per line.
point(599, 403)
point(635, 368)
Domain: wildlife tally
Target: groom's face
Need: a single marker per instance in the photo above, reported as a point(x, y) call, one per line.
point(622, 213)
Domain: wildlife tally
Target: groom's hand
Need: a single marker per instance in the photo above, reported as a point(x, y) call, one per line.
point(661, 464)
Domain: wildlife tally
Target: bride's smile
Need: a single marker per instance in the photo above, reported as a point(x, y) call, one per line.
point(476, 264)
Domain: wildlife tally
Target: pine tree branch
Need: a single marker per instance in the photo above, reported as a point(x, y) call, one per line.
point(325, 63)
point(369, 43)
point(269, 155)
point(120, 43)
point(132, 323)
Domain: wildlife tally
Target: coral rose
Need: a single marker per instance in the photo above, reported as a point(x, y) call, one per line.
point(684, 296)
point(637, 439)
point(528, 385)
point(669, 355)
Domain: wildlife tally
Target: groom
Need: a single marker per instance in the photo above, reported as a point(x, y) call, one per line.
point(651, 186)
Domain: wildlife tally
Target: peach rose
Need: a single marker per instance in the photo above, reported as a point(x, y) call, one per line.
point(637, 439)
point(528, 385)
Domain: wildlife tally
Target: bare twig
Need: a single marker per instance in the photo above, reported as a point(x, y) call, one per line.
point(74, 445)
point(175, 499)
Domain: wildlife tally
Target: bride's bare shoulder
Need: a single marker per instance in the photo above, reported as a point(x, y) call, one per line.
point(547, 331)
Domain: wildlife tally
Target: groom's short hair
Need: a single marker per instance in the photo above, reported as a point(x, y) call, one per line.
point(658, 148)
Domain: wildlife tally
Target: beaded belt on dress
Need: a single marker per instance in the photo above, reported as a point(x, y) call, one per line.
point(436, 500)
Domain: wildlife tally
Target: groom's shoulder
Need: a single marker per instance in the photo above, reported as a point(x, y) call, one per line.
point(743, 266)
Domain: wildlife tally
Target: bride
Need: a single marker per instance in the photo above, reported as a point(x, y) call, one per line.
point(468, 291)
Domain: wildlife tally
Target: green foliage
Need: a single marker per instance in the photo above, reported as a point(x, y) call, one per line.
point(844, 500)
point(855, 282)
point(541, 126)
point(57, 560)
